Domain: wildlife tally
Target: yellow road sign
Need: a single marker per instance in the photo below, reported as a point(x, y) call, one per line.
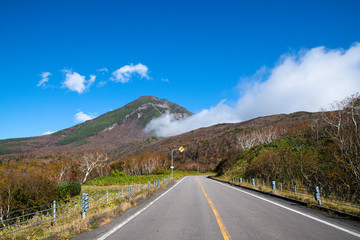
point(181, 149)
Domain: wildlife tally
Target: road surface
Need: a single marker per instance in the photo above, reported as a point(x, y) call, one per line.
point(201, 208)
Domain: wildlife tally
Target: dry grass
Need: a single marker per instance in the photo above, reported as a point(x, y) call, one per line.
point(68, 226)
point(72, 224)
point(305, 197)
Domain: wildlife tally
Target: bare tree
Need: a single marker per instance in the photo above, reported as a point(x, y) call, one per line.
point(256, 137)
point(341, 125)
point(64, 169)
point(89, 161)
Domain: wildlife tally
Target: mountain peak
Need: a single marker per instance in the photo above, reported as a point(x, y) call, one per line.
point(147, 98)
point(132, 118)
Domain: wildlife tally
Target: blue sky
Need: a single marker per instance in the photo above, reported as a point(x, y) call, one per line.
point(194, 53)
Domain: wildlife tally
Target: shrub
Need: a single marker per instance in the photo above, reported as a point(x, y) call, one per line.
point(118, 165)
point(23, 191)
point(117, 173)
point(68, 189)
point(161, 171)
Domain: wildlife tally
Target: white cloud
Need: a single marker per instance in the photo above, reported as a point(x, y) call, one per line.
point(102, 83)
point(47, 133)
point(165, 80)
point(91, 81)
point(306, 81)
point(103, 70)
point(124, 73)
point(44, 79)
point(168, 126)
point(82, 117)
point(77, 83)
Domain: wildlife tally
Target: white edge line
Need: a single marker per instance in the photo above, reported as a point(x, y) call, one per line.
point(298, 212)
point(103, 237)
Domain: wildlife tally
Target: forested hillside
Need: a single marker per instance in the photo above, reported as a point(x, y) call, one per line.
point(324, 152)
point(310, 148)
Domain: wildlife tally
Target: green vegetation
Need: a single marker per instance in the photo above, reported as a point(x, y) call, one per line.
point(123, 179)
point(117, 173)
point(15, 143)
point(297, 159)
point(235, 130)
point(24, 189)
point(71, 223)
point(11, 140)
point(80, 143)
point(68, 189)
point(90, 128)
point(302, 194)
point(4, 149)
point(150, 139)
point(10, 145)
point(323, 152)
point(238, 130)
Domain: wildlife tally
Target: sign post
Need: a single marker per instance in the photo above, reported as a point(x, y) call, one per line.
point(181, 149)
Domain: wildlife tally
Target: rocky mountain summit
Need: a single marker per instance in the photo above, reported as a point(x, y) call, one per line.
point(107, 132)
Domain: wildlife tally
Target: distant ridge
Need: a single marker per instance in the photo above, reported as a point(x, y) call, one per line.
point(108, 131)
point(121, 133)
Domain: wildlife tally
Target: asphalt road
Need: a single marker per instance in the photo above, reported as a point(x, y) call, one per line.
point(201, 208)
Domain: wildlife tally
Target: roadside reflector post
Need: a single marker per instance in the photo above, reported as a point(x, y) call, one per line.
point(273, 186)
point(317, 195)
point(130, 191)
point(54, 211)
point(85, 204)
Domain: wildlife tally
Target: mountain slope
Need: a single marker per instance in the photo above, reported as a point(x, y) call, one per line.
point(206, 147)
point(121, 133)
point(141, 111)
point(106, 132)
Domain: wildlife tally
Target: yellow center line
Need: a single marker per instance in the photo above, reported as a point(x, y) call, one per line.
point(223, 229)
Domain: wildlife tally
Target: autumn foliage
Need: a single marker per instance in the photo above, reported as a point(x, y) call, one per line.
point(323, 152)
point(145, 164)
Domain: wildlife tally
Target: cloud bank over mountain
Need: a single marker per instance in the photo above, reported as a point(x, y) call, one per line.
point(304, 81)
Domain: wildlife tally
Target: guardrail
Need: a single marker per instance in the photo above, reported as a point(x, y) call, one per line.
point(309, 194)
point(23, 219)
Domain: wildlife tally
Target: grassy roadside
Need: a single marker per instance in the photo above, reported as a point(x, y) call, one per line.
point(138, 179)
point(301, 196)
point(100, 212)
